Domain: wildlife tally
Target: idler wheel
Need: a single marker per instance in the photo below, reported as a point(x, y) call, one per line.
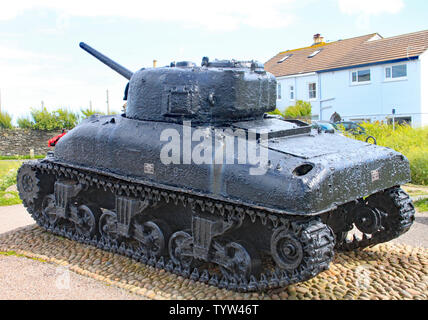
point(181, 248)
point(86, 225)
point(368, 220)
point(397, 209)
point(49, 209)
point(108, 225)
point(241, 259)
point(152, 235)
point(286, 249)
point(28, 184)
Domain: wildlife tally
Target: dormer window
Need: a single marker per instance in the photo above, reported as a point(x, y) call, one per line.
point(313, 54)
point(284, 58)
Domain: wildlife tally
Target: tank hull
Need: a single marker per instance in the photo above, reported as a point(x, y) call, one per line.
point(343, 169)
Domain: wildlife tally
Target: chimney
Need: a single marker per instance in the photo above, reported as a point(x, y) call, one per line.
point(154, 63)
point(318, 39)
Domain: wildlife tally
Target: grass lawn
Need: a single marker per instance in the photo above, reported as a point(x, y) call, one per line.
point(422, 205)
point(7, 165)
point(8, 169)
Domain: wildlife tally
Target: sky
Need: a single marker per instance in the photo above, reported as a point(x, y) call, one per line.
point(40, 58)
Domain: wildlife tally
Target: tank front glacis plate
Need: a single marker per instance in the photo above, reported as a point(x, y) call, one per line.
point(131, 149)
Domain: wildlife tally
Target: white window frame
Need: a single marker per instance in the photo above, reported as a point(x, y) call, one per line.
point(279, 91)
point(391, 79)
point(309, 91)
point(292, 90)
point(359, 83)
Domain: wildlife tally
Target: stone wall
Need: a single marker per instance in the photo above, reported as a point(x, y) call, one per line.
point(19, 142)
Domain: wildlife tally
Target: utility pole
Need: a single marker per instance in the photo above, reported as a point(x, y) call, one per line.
point(43, 104)
point(393, 119)
point(0, 100)
point(108, 105)
point(90, 105)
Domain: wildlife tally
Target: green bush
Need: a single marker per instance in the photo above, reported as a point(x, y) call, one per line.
point(66, 118)
point(25, 123)
point(5, 120)
point(42, 119)
point(276, 112)
point(419, 165)
point(89, 112)
point(301, 109)
point(412, 142)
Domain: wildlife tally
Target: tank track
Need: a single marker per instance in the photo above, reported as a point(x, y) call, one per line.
point(316, 237)
point(394, 223)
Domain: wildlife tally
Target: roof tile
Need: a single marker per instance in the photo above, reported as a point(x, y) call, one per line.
point(349, 53)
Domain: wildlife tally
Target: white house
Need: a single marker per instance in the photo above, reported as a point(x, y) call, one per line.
point(362, 78)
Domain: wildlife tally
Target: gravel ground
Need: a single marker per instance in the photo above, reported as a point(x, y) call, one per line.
point(387, 271)
point(13, 217)
point(38, 280)
point(417, 236)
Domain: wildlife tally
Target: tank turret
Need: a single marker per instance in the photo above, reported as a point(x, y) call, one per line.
point(215, 92)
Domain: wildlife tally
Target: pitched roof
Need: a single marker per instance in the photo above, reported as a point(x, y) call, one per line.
point(348, 53)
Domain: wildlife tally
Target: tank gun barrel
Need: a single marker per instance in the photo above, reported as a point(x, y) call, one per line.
point(107, 61)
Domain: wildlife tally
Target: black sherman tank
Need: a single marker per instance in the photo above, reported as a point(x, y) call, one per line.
point(107, 182)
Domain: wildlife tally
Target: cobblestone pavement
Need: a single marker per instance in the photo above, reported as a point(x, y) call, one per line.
point(387, 271)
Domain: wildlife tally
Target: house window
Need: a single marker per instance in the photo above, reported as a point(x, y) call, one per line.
point(361, 76)
point(312, 91)
point(279, 91)
point(396, 72)
point(291, 92)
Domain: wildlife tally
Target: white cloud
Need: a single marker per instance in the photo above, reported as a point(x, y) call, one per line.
point(27, 78)
point(11, 54)
point(219, 15)
point(370, 7)
point(365, 9)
